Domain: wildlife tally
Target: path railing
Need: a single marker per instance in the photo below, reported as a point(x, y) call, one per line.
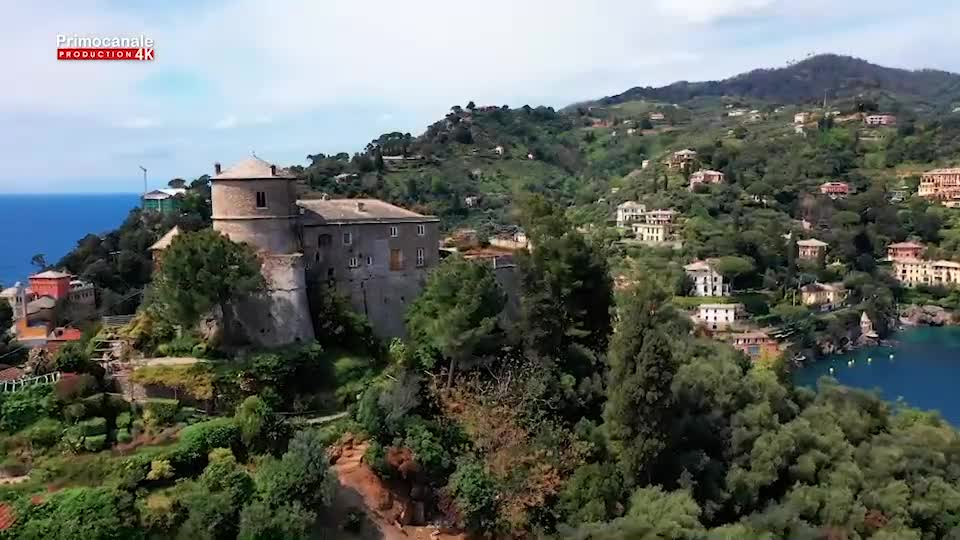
point(20, 384)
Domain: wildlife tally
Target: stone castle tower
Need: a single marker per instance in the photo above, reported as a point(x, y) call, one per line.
point(255, 202)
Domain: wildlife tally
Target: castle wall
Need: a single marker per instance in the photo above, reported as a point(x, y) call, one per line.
point(279, 316)
point(271, 235)
point(380, 290)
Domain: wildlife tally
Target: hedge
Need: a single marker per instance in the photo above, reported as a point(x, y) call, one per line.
point(163, 412)
point(45, 433)
point(95, 443)
point(124, 436)
point(124, 420)
point(94, 426)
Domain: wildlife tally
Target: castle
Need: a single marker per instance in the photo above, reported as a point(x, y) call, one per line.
point(374, 253)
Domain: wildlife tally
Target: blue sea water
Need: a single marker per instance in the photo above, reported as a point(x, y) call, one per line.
point(52, 224)
point(923, 371)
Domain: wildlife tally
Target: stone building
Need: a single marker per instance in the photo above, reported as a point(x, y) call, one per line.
point(934, 273)
point(375, 253)
point(941, 185)
point(826, 296)
point(904, 251)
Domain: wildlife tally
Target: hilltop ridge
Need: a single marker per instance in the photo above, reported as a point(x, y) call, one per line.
point(806, 81)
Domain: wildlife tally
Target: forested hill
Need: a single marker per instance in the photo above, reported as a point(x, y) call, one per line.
point(807, 81)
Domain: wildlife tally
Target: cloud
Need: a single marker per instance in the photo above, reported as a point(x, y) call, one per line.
point(227, 122)
point(291, 77)
point(138, 123)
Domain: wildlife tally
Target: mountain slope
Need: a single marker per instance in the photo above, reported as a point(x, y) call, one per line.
point(838, 76)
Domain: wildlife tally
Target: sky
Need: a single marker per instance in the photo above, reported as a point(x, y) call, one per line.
point(288, 78)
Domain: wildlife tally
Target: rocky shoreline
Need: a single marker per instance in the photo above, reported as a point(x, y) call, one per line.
point(926, 315)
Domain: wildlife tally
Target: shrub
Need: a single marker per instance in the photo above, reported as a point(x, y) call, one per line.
point(94, 443)
point(75, 411)
point(376, 458)
point(94, 426)
point(475, 495)
point(124, 420)
point(196, 441)
point(45, 434)
point(160, 412)
point(20, 409)
point(179, 346)
point(160, 469)
point(70, 389)
point(123, 436)
point(195, 380)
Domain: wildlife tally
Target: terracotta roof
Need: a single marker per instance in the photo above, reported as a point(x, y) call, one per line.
point(944, 171)
point(698, 265)
point(44, 302)
point(164, 241)
point(7, 516)
point(11, 374)
point(65, 334)
point(345, 210)
point(51, 274)
point(811, 242)
point(631, 204)
point(905, 245)
point(253, 168)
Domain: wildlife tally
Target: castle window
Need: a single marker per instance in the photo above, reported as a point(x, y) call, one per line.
point(354, 262)
point(261, 199)
point(420, 256)
point(394, 231)
point(421, 230)
point(347, 238)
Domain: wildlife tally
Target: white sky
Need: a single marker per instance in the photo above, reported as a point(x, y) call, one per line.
point(292, 77)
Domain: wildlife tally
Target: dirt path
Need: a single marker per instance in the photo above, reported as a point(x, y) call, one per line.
point(359, 487)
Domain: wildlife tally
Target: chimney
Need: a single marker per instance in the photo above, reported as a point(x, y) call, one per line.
point(216, 168)
point(359, 206)
point(273, 170)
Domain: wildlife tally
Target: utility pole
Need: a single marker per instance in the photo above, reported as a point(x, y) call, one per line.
point(142, 168)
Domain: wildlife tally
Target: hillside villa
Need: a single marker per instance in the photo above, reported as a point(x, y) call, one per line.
point(940, 185)
point(707, 281)
point(904, 251)
point(880, 120)
point(811, 249)
point(935, 273)
point(718, 316)
point(656, 227)
point(705, 176)
point(628, 212)
point(835, 190)
point(681, 159)
point(756, 344)
point(825, 295)
point(801, 118)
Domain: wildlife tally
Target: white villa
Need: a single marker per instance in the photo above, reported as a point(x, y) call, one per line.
point(707, 281)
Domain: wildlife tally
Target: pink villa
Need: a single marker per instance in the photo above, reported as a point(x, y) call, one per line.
point(880, 120)
point(812, 249)
point(705, 176)
point(904, 251)
point(835, 189)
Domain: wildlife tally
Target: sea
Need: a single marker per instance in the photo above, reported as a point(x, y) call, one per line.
point(52, 224)
point(921, 367)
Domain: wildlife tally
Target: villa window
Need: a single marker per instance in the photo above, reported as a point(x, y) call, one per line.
point(354, 262)
point(261, 199)
point(421, 230)
point(420, 257)
point(394, 231)
point(369, 261)
point(347, 238)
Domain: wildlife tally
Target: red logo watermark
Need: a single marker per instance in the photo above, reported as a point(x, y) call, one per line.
point(136, 48)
